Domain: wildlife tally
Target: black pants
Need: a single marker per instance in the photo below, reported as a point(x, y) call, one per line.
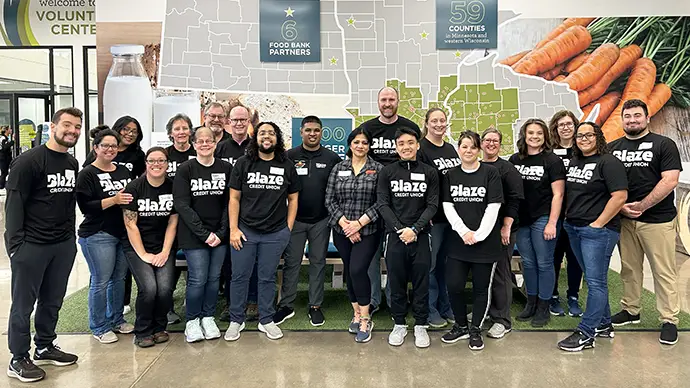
point(39, 271)
point(406, 263)
point(356, 260)
point(4, 170)
point(456, 277)
point(502, 288)
point(572, 267)
point(128, 287)
point(154, 293)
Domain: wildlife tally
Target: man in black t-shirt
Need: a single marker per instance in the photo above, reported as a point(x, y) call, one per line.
point(215, 117)
point(649, 223)
point(40, 241)
point(313, 164)
point(382, 149)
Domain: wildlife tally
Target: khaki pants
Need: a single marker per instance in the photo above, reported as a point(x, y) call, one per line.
point(658, 242)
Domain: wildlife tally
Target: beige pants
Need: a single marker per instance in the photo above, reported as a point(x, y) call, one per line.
point(658, 242)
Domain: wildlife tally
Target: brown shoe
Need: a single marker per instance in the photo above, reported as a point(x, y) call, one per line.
point(160, 337)
point(144, 342)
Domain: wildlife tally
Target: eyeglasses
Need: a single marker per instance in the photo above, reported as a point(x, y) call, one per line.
point(238, 121)
point(588, 136)
point(108, 146)
point(492, 141)
point(156, 161)
point(130, 131)
point(215, 117)
point(202, 142)
point(266, 133)
point(566, 125)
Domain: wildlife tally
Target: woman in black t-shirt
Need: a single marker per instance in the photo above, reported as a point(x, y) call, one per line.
point(472, 197)
point(562, 127)
point(99, 190)
point(151, 225)
point(597, 188)
point(543, 180)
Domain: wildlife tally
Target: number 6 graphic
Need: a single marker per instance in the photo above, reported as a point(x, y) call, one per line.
point(289, 30)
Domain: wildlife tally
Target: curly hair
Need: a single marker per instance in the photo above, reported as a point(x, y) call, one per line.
point(553, 126)
point(602, 146)
point(253, 146)
point(522, 143)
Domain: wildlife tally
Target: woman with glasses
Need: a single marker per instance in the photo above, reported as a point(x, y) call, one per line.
point(597, 188)
point(100, 189)
point(562, 127)
point(151, 225)
point(543, 180)
point(201, 199)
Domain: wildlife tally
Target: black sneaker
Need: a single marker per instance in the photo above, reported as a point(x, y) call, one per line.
point(283, 314)
point(669, 334)
point(476, 340)
point(373, 309)
point(576, 342)
point(316, 317)
point(604, 331)
point(456, 334)
point(624, 318)
point(25, 371)
point(53, 355)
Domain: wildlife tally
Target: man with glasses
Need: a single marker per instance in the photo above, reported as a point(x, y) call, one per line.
point(214, 118)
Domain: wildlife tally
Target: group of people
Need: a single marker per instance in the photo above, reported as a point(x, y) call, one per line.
point(234, 205)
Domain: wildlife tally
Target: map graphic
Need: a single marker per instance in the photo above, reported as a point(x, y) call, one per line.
point(365, 44)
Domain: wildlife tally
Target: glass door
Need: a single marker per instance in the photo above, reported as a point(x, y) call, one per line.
point(33, 121)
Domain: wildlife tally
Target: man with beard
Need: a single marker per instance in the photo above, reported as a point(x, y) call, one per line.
point(214, 118)
point(313, 164)
point(40, 241)
point(382, 131)
point(263, 204)
point(649, 223)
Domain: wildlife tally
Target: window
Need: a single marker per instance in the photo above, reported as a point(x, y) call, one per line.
point(91, 118)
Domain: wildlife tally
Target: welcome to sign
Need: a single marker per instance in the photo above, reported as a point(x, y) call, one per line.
point(48, 22)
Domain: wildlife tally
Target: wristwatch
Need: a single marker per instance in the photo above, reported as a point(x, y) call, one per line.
point(414, 230)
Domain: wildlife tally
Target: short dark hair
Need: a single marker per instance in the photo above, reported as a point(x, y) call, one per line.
point(634, 103)
point(473, 136)
point(101, 131)
point(159, 149)
point(522, 143)
point(553, 126)
point(171, 122)
point(252, 151)
point(122, 122)
point(311, 119)
point(351, 137)
point(406, 131)
point(72, 111)
point(602, 145)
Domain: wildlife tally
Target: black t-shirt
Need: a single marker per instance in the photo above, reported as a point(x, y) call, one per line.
point(538, 172)
point(513, 192)
point(93, 186)
point(382, 147)
point(442, 158)
point(154, 206)
point(132, 158)
point(265, 186)
point(230, 151)
point(313, 169)
point(470, 194)
point(645, 159)
point(201, 199)
point(565, 154)
point(176, 158)
point(46, 180)
point(589, 185)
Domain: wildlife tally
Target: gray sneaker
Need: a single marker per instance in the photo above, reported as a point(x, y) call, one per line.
point(397, 336)
point(364, 336)
point(354, 326)
point(421, 337)
point(106, 338)
point(498, 330)
point(272, 330)
point(173, 318)
point(124, 328)
point(233, 332)
point(437, 321)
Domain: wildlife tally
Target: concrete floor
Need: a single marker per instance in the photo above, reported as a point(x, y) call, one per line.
point(327, 359)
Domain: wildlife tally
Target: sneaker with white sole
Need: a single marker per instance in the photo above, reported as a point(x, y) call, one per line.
point(124, 328)
point(498, 330)
point(209, 328)
point(397, 336)
point(126, 310)
point(272, 330)
point(106, 338)
point(25, 370)
point(192, 331)
point(421, 337)
point(233, 332)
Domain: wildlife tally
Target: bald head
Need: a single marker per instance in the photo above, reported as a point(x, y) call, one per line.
point(239, 121)
point(388, 103)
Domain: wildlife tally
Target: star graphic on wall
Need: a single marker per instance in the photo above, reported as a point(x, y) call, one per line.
point(289, 12)
point(424, 35)
point(351, 21)
point(458, 54)
point(334, 61)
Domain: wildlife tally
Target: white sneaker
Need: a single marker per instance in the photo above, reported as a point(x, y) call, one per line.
point(125, 328)
point(233, 332)
point(106, 338)
point(498, 330)
point(397, 336)
point(209, 327)
point(272, 330)
point(421, 337)
point(126, 310)
point(193, 332)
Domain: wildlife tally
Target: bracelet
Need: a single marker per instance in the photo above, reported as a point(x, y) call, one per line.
point(360, 224)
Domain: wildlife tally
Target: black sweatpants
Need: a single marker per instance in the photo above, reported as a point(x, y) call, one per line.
point(572, 267)
point(502, 288)
point(4, 170)
point(456, 277)
point(356, 260)
point(39, 271)
point(128, 288)
point(406, 263)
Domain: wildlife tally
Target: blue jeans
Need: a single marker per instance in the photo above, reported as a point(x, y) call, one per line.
point(253, 281)
point(203, 277)
point(106, 260)
point(537, 258)
point(593, 248)
point(265, 250)
point(439, 304)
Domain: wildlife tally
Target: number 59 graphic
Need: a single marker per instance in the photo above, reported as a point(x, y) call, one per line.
point(289, 30)
point(462, 11)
